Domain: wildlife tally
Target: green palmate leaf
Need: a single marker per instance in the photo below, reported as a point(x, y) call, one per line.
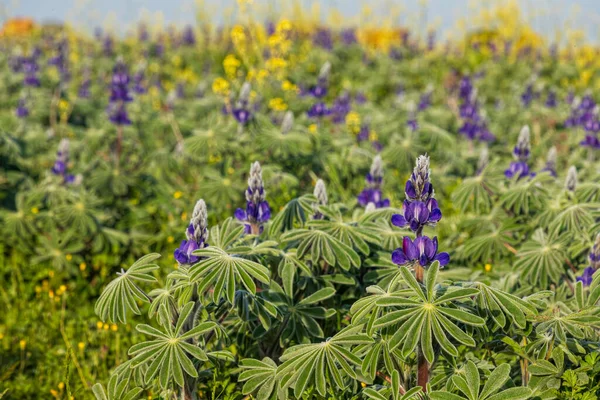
point(322, 246)
point(575, 219)
point(301, 314)
point(222, 270)
point(491, 245)
point(469, 383)
point(322, 364)
point(169, 355)
point(424, 315)
point(350, 233)
point(261, 375)
point(116, 390)
point(542, 258)
point(392, 393)
point(527, 194)
point(476, 193)
point(296, 211)
point(564, 323)
point(123, 293)
point(501, 306)
point(225, 235)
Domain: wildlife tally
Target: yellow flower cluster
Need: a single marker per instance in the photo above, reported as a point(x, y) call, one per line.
point(353, 122)
point(221, 87)
point(277, 104)
point(231, 65)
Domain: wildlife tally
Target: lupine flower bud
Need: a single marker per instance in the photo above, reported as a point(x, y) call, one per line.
point(196, 234)
point(244, 95)
point(418, 186)
point(550, 166)
point(484, 159)
point(372, 193)
point(200, 222)
point(257, 207)
point(320, 193)
point(62, 160)
point(571, 181)
point(594, 256)
point(325, 71)
point(521, 152)
point(22, 110)
point(522, 149)
point(288, 122)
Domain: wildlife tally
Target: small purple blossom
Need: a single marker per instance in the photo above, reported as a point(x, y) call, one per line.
point(587, 276)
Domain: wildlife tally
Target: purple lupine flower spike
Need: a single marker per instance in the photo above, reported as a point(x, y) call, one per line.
point(588, 273)
point(22, 109)
point(61, 164)
point(520, 167)
point(196, 236)
point(119, 95)
point(550, 166)
point(372, 192)
point(257, 207)
point(241, 112)
point(420, 209)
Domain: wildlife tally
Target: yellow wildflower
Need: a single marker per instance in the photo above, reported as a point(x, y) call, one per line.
point(114, 327)
point(312, 128)
point(68, 257)
point(488, 267)
point(82, 266)
point(99, 324)
point(177, 194)
point(81, 346)
point(353, 122)
point(220, 86)
point(35, 210)
point(230, 65)
point(277, 104)
point(22, 344)
point(170, 239)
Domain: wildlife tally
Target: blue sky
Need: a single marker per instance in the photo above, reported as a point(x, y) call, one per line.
point(120, 14)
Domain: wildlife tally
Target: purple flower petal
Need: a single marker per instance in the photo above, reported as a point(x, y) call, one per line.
point(398, 220)
point(240, 214)
point(398, 257)
point(442, 258)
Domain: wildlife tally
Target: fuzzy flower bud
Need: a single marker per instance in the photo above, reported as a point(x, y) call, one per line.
point(196, 234)
point(199, 221)
point(244, 94)
point(522, 149)
point(257, 207)
point(325, 71)
point(571, 181)
point(484, 159)
point(320, 193)
point(372, 193)
point(288, 122)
